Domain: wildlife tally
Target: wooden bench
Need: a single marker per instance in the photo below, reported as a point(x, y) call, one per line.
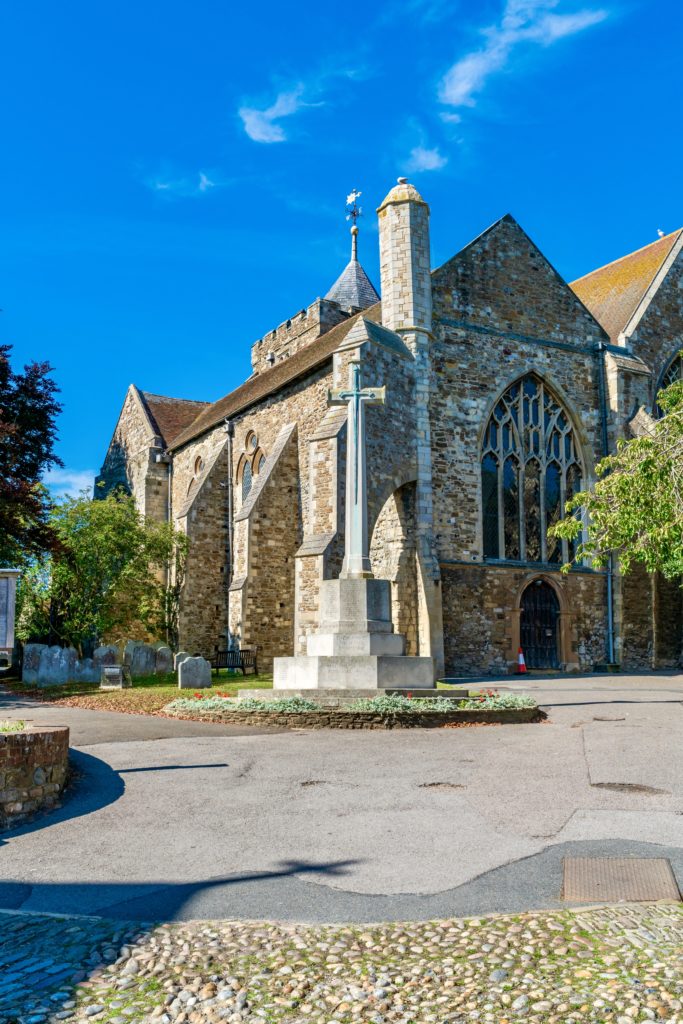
point(235, 660)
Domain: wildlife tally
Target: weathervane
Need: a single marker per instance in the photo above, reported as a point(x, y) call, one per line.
point(355, 211)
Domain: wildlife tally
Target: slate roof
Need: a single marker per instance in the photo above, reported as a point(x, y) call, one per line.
point(613, 292)
point(353, 288)
point(308, 358)
point(170, 416)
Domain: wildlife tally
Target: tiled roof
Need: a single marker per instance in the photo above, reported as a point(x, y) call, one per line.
point(170, 416)
point(614, 292)
point(308, 358)
point(353, 288)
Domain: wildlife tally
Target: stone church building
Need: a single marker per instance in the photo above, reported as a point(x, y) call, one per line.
point(504, 387)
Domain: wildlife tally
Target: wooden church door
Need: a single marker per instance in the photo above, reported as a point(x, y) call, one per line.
point(539, 626)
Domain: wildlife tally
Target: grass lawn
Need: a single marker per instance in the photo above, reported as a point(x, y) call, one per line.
point(146, 697)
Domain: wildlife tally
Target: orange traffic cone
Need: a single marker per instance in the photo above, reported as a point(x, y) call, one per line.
point(521, 664)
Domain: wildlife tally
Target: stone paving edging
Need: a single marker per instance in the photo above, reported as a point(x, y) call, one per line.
point(333, 718)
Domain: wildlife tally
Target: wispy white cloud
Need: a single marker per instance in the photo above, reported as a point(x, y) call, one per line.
point(171, 186)
point(422, 158)
point(264, 125)
point(535, 22)
point(69, 482)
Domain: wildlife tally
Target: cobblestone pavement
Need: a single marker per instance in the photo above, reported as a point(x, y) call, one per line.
point(620, 964)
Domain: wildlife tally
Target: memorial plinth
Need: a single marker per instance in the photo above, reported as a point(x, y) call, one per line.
point(355, 647)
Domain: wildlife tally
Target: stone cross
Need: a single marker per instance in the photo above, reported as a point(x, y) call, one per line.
point(356, 551)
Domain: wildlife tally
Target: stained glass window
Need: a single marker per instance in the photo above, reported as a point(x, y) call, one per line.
point(531, 466)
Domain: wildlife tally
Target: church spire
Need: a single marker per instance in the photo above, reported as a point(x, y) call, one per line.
point(353, 289)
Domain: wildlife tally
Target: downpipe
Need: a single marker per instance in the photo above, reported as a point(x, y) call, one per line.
point(602, 391)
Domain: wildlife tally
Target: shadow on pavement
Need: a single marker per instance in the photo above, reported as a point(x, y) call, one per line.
point(93, 784)
point(44, 955)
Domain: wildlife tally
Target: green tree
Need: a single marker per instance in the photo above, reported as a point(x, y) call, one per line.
point(635, 510)
point(107, 577)
point(28, 413)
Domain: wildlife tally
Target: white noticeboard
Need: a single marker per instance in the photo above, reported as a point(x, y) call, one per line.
point(8, 587)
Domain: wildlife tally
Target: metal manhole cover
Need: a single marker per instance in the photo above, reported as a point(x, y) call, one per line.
point(613, 879)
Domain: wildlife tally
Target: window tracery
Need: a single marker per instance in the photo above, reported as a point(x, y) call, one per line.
point(530, 467)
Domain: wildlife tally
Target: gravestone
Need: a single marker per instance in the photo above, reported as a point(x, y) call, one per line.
point(140, 658)
point(115, 677)
point(164, 660)
point(8, 587)
point(194, 674)
point(86, 671)
point(57, 665)
point(31, 663)
point(180, 656)
point(106, 655)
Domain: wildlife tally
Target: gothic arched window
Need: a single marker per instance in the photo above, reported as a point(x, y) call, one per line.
point(530, 467)
point(246, 480)
point(673, 372)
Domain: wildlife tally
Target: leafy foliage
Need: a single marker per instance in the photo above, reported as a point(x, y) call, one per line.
point(226, 704)
point(28, 411)
point(393, 703)
point(8, 725)
point(106, 577)
point(385, 704)
point(636, 507)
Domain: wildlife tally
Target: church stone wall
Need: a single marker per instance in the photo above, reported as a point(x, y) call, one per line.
point(502, 283)
point(652, 615)
point(500, 311)
point(479, 607)
point(471, 369)
point(200, 509)
point(659, 335)
point(295, 333)
point(130, 461)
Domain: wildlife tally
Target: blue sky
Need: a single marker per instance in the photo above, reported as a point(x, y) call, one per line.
point(173, 175)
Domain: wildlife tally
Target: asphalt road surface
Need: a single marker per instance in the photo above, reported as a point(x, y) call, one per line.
point(179, 820)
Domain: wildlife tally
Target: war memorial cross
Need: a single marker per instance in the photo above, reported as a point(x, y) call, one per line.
point(356, 563)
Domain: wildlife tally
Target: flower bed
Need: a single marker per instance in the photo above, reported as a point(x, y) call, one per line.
point(390, 711)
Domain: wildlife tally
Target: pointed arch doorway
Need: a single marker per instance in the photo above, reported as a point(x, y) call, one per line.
point(539, 626)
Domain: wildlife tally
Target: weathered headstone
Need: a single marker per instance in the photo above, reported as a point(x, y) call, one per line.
point(115, 677)
point(106, 655)
point(31, 665)
point(8, 586)
point(180, 656)
point(140, 658)
point(57, 666)
point(164, 660)
point(194, 674)
point(86, 671)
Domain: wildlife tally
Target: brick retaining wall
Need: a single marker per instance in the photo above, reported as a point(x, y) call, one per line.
point(33, 771)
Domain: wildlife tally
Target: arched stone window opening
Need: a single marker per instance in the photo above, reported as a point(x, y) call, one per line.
point(673, 373)
point(246, 480)
point(530, 467)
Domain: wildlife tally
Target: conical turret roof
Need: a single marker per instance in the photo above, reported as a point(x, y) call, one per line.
point(353, 287)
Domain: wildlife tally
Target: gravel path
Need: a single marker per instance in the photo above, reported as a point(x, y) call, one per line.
point(618, 964)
